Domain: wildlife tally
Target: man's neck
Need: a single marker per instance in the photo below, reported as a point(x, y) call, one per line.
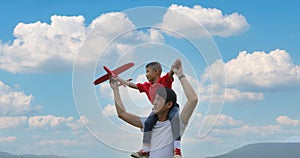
point(162, 117)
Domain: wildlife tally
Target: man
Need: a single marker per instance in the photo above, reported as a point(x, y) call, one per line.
point(162, 141)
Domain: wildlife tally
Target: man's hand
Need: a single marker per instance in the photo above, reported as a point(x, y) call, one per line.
point(113, 83)
point(177, 67)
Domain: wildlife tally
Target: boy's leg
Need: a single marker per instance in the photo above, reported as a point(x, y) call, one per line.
point(148, 125)
point(173, 116)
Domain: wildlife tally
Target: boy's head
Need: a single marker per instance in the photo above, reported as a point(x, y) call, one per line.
point(153, 71)
point(165, 98)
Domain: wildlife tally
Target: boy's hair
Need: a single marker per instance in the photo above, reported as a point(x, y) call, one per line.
point(154, 66)
point(167, 93)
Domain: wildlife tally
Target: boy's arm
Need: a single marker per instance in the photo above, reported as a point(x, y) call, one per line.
point(171, 73)
point(121, 111)
point(127, 83)
point(190, 94)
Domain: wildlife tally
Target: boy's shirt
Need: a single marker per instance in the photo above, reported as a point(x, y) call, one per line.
point(150, 89)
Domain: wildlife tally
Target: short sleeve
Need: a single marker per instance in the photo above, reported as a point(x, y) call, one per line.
point(141, 87)
point(167, 81)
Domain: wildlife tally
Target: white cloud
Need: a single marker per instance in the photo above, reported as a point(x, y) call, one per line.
point(105, 90)
point(12, 122)
point(77, 125)
point(43, 47)
point(8, 139)
point(14, 102)
point(238, 97)
point(225, 120)
point(109, 110)
point(229, 129)
point(178, 18)
point(48, 121)
point(39, 45)
point(260, 70)
point(263, 130)
point(217, 94)
point(110, 25)
point(65, 142)
point(222, 120)
point(285, 120)
point(247, 130)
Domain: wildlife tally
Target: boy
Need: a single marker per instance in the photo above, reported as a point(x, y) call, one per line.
point(153, 74)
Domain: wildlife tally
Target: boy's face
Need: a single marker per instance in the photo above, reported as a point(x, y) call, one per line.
point(151, 74)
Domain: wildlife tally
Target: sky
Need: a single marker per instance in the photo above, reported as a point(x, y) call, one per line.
point(242, 59)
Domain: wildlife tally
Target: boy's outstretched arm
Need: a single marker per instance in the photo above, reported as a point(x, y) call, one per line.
point(171, 73)
point(127, 83)
point(192, 98)
point(121, 111)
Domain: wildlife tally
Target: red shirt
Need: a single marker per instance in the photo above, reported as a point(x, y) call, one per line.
point(150, 89)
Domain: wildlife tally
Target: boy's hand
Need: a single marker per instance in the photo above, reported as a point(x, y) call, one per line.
point(177, 67)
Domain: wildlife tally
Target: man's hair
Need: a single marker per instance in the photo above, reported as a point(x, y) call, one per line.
point(167, 93)
point(154, 66)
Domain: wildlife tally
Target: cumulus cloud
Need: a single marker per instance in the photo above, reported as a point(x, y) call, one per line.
point(58, 122)
point(12, 122)
point(14, 102)
point(222, 120)
point(8, 139)
point(259, 71)
point(40, 44)
point(285, 120)
point(45, 122)
point(219, 94)
point(238, 97)
point(48, 121)
point(247, 130)
point(43, 47)
point(65, 142)
point(109, 110)
point(189, 21)
point(229, 126)
point(78, 124)
point(235, 127)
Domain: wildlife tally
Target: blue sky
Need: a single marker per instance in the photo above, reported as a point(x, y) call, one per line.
point(50, 52)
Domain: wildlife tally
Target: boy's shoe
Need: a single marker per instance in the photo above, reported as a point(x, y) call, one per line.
point(140, 154)
point(177, 153)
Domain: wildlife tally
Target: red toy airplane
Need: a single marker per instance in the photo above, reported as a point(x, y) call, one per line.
point(113, 73)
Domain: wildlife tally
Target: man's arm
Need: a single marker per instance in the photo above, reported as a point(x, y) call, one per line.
point(127, 83)
point(191, 103)
point(121, 111)
point(189, 92)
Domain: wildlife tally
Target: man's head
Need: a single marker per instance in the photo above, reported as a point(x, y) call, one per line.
point(165, 98)
point(153, 71)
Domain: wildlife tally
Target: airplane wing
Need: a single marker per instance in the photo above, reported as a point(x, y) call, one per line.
point(101, 79)
point(113, 73)
point(122, 68)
